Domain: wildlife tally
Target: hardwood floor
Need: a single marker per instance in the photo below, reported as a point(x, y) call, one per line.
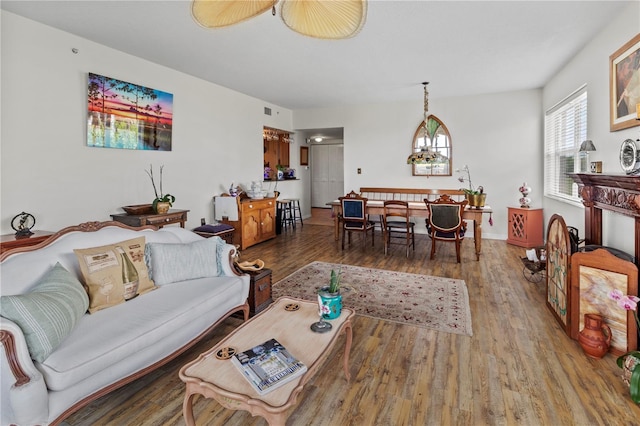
point(518, 368)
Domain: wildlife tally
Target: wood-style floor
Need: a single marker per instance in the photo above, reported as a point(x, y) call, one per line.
point(518, 368)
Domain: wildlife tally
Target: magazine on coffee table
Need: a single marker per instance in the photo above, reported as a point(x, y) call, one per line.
point(268, 366)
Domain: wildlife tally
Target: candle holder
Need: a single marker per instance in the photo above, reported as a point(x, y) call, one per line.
point(321, 326)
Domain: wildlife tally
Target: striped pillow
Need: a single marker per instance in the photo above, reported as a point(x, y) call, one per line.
point(49, 313)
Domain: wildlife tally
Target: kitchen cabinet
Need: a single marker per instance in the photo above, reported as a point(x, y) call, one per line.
point(256, 221)
point(525, 227)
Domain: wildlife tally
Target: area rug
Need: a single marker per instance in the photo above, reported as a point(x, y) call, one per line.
point(422, 300)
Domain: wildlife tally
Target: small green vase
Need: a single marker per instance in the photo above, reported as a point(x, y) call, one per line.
point(333, 301)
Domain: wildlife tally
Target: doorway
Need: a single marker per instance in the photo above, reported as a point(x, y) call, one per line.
point(327, 173)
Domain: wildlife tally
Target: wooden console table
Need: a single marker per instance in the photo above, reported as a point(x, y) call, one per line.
point(159, 220)
point(618, 193)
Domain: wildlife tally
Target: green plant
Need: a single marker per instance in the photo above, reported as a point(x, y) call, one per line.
point(470, 190)
point(334, 283)
point(630, 303)
point(162, 198)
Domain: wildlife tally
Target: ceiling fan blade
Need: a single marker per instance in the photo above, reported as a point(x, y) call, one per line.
point(328, 19)
point(222, 13)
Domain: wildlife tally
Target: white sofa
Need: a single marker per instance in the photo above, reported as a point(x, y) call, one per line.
point(114, 346)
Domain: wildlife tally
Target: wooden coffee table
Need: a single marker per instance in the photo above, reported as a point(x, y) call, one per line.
point(221, 380)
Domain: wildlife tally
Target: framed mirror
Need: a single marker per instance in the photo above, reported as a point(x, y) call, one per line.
point(434, 137)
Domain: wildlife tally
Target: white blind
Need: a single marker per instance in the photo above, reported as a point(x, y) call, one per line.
point(565, 128)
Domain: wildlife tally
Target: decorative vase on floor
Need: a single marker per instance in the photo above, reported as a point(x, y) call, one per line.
point(333, 301)
point(595, 337)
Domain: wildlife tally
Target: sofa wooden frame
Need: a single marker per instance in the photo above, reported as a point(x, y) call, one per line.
point(8, 341)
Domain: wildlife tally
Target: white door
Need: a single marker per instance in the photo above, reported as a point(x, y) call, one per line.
point(327, 174)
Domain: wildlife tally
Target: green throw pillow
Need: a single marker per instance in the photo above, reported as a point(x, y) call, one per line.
point(49, 313)
point(170, 263)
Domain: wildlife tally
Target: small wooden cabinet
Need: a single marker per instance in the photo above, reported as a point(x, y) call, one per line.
point(259, 291)
point(256, 221)
point(159, 220)
point(525, 227)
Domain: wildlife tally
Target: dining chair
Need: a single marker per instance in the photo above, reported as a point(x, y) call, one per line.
point(445, 222)
point(397, 227)
point(354, 217)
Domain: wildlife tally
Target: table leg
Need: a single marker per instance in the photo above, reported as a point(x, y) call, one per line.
point(187, 408)
point(336, 223)
point(347, 348)
point(477, 236)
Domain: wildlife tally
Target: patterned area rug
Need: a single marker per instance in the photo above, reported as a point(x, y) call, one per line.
point(422, 300)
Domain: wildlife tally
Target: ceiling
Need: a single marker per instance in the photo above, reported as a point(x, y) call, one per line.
point(461, 47)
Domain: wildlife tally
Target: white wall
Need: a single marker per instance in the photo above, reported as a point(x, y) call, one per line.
point(46, 167)
point(591, 67)
point(499, 136)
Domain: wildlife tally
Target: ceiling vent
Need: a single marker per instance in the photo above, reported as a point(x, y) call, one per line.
point(267, 111)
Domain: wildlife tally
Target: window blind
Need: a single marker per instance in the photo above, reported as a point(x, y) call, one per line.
point(565, 128)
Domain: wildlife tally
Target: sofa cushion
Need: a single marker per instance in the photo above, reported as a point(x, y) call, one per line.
point(144, 327)
point(169, 263)
point(49, 313)
point(106, 268)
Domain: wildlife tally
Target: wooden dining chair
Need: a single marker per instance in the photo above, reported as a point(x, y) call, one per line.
point(396, 225)
point(354, 217)
point(445, 222)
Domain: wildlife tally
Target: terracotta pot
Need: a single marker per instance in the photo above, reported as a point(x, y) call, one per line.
point(162, 207)
point(595, 337)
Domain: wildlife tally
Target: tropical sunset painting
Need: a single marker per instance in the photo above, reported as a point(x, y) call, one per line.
point(128, 116)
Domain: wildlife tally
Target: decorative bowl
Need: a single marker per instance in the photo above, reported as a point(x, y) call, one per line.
point(138, 209)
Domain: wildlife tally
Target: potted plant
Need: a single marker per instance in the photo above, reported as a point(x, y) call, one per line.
point(162, 202)
point(330, 296)
point(630, 361)
point(475, 197)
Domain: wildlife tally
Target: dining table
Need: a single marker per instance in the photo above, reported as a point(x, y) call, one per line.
point(417, 209)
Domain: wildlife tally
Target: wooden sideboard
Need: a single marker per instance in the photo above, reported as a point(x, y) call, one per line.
point(256, 221)
point(10, 241)
point(159, 220)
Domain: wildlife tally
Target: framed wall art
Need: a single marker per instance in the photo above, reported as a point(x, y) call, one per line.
point(128, 116)
point(593, 276)
point(304, 155)
point(624, 92)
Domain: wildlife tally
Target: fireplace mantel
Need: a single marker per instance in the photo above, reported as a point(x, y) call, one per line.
point(619, 193)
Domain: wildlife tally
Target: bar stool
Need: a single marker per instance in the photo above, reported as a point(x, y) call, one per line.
point(286, 213)
point(297, 213)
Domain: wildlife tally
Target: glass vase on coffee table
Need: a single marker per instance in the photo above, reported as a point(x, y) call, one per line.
point(321, 326)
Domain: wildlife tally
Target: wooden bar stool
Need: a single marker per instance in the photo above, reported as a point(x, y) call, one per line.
point(295, 210)
point(286, 213)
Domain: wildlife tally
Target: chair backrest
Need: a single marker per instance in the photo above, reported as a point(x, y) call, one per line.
point(396, 209)
point(445, 214)
point(354, 207)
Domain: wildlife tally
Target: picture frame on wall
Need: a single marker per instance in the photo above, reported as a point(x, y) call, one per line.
point(594, 275)
point(126, 115)
point(304, 155)
point(624, 79)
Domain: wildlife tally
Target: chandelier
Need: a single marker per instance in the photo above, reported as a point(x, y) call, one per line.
point(426, 154)
point(327, 19)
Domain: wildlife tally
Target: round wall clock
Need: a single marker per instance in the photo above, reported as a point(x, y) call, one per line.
point(629, 157)
point(22, 223)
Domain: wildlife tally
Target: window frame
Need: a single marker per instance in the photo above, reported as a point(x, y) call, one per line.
point(565, 128)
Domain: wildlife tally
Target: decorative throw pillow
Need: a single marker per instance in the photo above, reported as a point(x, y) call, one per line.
point(49, 313)
point(114, 273)
point(170, 263)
